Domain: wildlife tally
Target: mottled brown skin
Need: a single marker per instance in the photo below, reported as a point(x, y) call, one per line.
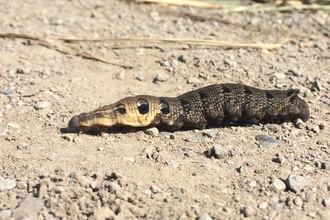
point(196, 109)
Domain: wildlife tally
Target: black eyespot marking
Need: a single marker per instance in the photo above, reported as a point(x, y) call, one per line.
point(143, 106)
point(164, 107)
point(121, 110)
point(184, 102)
point(247, 90)
point(202, 94)
point(269, 96)
point(226, 90)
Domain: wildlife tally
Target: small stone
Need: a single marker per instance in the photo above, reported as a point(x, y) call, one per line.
point(21, 185)
point(299, 123)
point(229, 62)
point(140, 77)
point(263, 205)
point(204, 216)
point(296, 183)
point(326, 202)
point(277, 185)
point(164, 63)
point(5, 214)
point(149, 151)
point(219, 151)
point(58, 189)
point(155, 189)
point(128, 159)
point(104, 213)
point(121, 75)
point(29, 207)
point(277, 75)
point(316, 86)
point(314, 128)
point(182, 58)
point(42, 105)
point(276, 206)
point(7, 184)
point(279, 158)
point(193, 80)
point(46, 72)
point(22, 146)
point(266, 141)
point(153, 132)
point(7, 91)
point(295, 72)
point(209, 133)
point(13, 125)
point(298, 202)
point(114, 186)
point(161, 77)
point(248, 211)
point(252, 183)
point(322, 45)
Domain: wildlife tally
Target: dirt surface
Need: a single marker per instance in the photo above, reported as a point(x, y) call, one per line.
point(217, 173)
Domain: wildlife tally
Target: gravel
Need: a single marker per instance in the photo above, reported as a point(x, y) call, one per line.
point(297, 183)
point(277, 185)
point(7, 184)
point(266, 141)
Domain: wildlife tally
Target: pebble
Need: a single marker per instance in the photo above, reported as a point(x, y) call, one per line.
point(229, 62)
point(266, 141)
point(277, 75)
point(121, 75)
point(279, 158)
point(22, 146)
point(182, 58)
point(5, 214)
point(277, 185)
point(314, 128)
point(28, 208)
point(13, 125)
point(149, 151)
point(296, 183)
point(42, 105)
point(248, 211)
point(7, 91)
point(262, 205)
point(7, 184)
point(193, 80)
point(326, 202)
point(219, 151)
point(295, 72)
point(316, 86)
point(204, 216)
point(58, 189)
point(104, 213)
point(322, 45)
point(153, 132)
point(161, 77)
point(298, 202)
point(209, 133)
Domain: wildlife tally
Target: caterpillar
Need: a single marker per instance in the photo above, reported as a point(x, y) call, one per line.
point(196, 109)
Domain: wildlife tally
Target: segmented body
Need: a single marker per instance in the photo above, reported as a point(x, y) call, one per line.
point(198, 108)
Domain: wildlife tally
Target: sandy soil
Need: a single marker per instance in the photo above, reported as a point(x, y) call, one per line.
point(218, 173)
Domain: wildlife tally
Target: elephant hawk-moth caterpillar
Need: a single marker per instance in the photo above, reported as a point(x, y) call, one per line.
point(196, 109)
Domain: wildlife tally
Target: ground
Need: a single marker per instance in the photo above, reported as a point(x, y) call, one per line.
point(218, 173)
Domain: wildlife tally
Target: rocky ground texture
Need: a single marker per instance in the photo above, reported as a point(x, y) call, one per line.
point(264, 171)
